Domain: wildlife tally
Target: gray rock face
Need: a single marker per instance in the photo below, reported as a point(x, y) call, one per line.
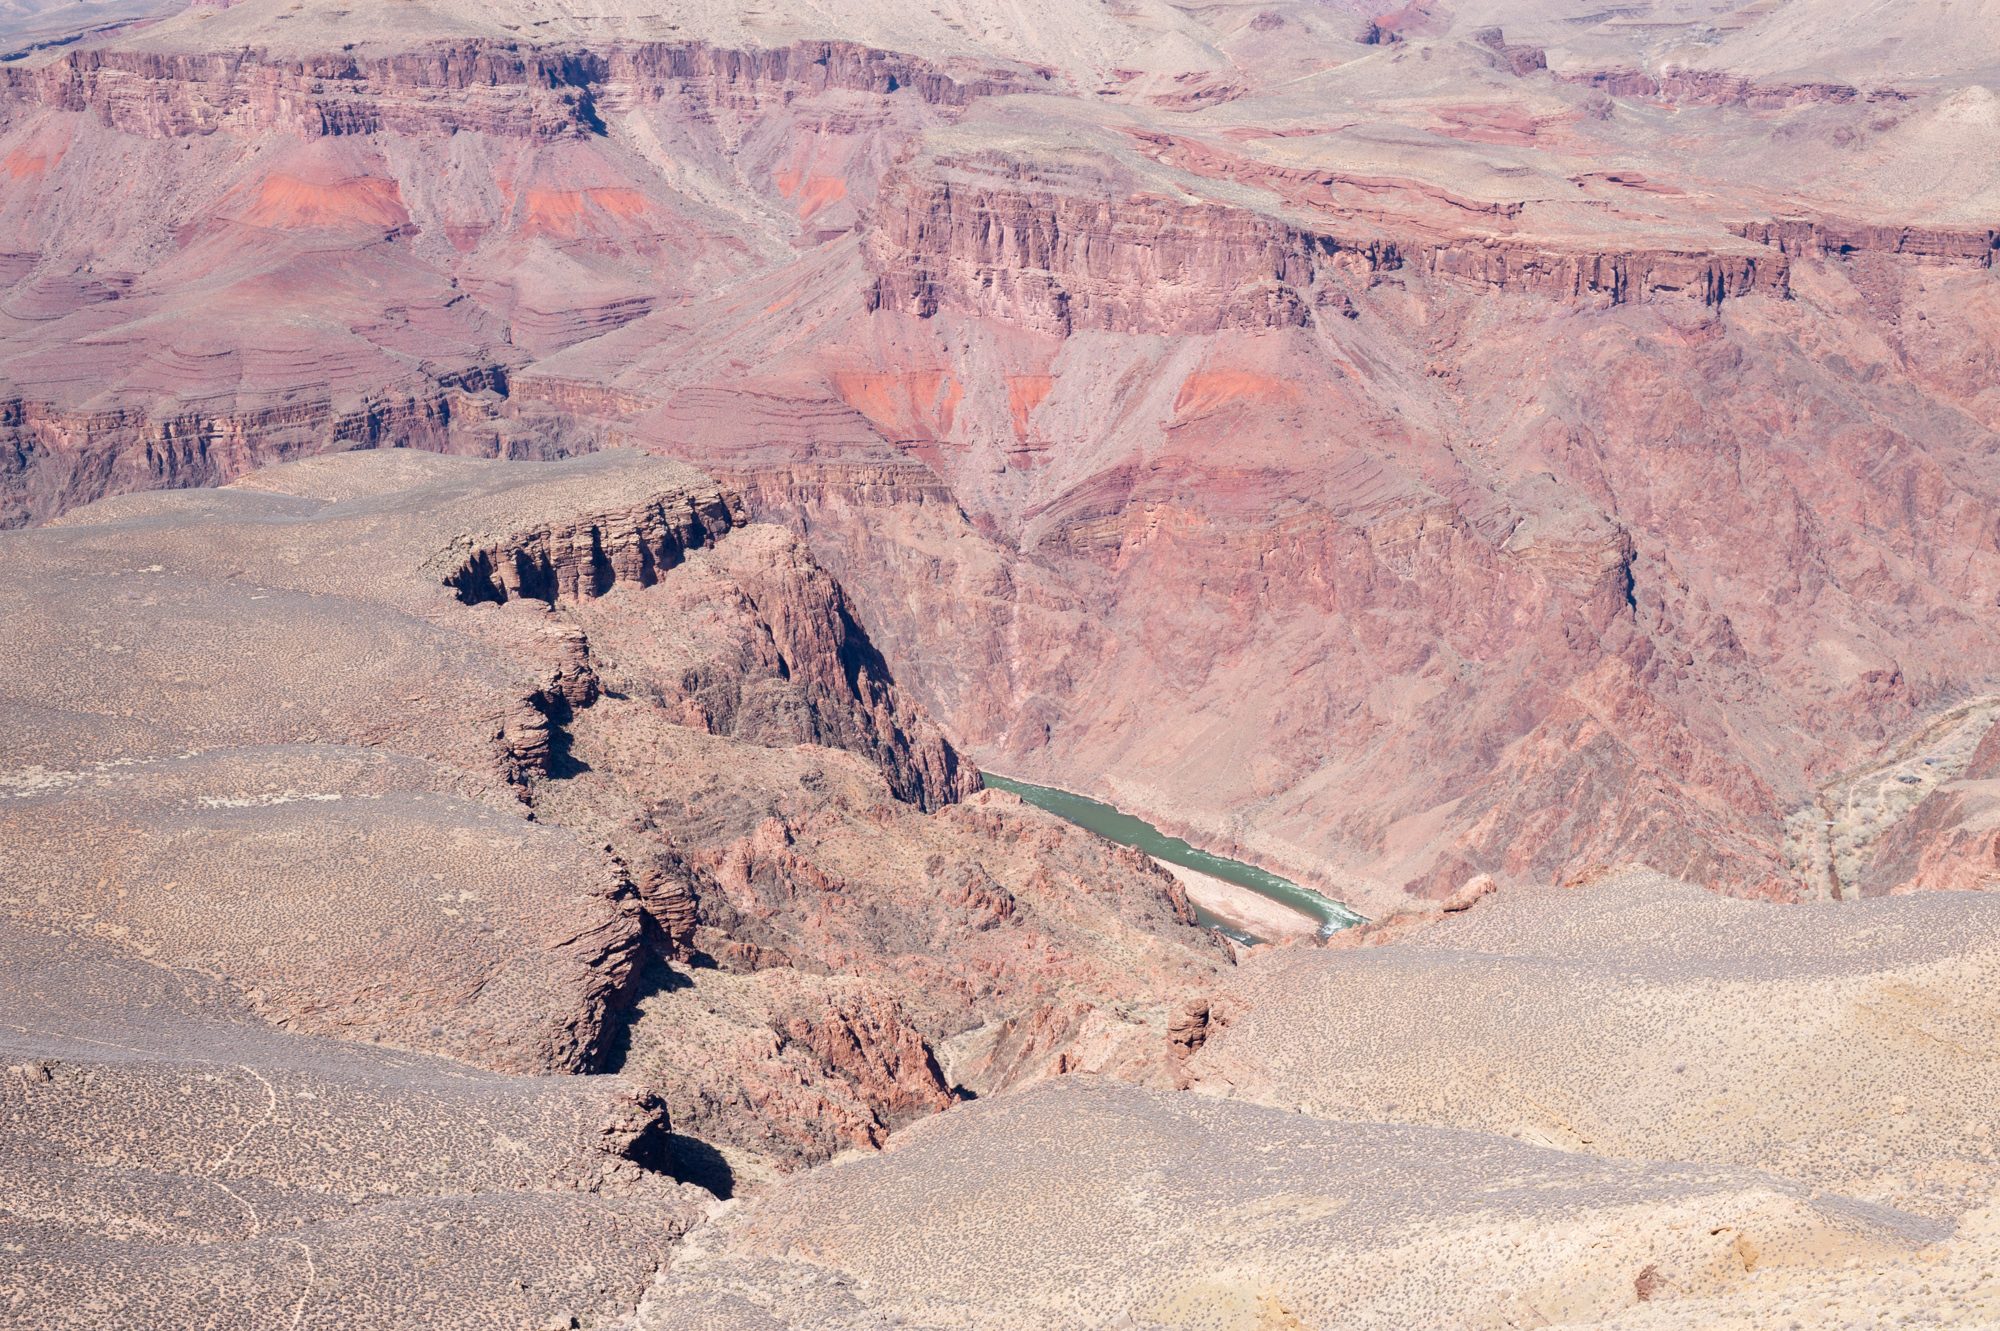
point(173, 1160)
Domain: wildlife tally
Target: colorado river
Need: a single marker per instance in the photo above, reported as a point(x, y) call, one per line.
point(1324, 914)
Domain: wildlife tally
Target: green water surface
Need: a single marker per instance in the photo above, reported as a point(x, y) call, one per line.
point(1126, 830)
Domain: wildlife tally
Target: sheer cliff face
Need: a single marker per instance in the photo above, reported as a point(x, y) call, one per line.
point(1371, 441)
point(1098, 253)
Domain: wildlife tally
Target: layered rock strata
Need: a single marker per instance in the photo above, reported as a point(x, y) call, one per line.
point(1220, 369)
point(1714, 87)
point(1834, 238)
point(512, 90)
point(991, 238)
point(675, 818)
point(58, 458)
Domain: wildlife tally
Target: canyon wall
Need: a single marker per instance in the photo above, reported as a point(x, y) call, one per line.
point(1075, 253)
point(1332, 488)
point(1831, 237)
point(507, 89)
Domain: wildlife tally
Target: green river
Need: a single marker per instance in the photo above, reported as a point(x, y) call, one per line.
point(1126, 830)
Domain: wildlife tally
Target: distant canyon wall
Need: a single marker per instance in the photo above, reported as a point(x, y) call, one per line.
point(496, 88)
point(999, 238)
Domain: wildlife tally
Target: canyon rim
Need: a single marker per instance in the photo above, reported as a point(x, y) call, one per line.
point(525, 523)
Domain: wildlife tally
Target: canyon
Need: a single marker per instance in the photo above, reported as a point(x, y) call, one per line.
point(566, 776)
point(1399, 335)
point(524, 523)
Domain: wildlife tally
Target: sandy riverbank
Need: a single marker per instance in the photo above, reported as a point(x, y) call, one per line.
point(1241, 908)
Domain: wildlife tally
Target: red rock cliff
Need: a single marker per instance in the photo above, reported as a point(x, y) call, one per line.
point(1079, 252)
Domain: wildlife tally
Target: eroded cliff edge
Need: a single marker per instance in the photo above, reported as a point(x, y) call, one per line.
point(554, 768)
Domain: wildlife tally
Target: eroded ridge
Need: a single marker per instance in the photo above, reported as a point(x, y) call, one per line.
point(683, 830)
point(586, 557)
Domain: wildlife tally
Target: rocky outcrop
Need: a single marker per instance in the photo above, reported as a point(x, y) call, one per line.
point(1515, 57)
point(508, 89)
point(753, 79)
point(1616, 276)
point(670, 895)
point(1950, 842)
point(1390, 928)
point(1417, 18)
point(869, 1047)
point(1006, 243)
point(783, 489)
point(1187, 1031)
point(53, 458)
point(783, 660)
point(793, 1068)
point(527, 741)
point(573, 558)
point(1713, 87)
point(998, 237)
point(1834, 238)
point(848, 690)
point(469, 86)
